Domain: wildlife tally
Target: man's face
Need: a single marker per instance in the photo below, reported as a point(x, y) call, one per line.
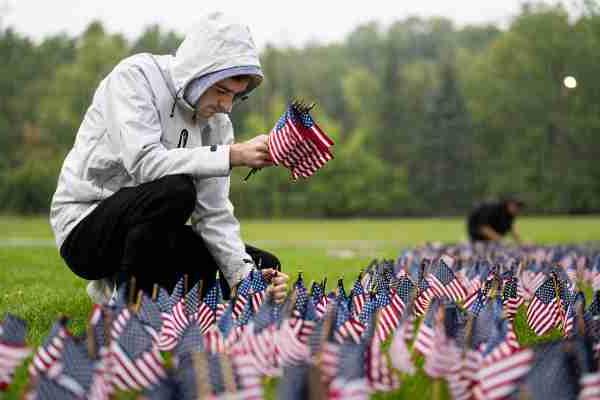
point(219, 97)
point(513, 208)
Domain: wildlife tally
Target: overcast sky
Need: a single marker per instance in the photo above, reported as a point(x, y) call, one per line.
point(281, 23)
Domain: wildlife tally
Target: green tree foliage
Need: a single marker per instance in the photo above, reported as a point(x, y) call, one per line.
point(534, 133)
point(428, 118)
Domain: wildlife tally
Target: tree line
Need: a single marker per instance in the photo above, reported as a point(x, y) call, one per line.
point(429, 118)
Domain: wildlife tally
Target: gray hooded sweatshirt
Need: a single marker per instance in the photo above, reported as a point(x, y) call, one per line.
point(131, 134)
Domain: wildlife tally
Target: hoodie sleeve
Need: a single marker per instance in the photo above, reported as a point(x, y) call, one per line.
point(214, 221)
point(134, 130)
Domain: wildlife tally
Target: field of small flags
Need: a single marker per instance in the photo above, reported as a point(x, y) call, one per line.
point(446, 313)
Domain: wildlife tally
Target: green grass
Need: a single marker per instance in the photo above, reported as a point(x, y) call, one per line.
point(36, 285)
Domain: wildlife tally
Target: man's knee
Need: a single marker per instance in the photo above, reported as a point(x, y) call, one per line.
point(180, 190)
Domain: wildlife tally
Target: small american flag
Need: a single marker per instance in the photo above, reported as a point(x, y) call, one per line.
point(317, 293)
point(498, 377)
point(444, 282)
point(389, 314)
point(166, 389)
point(250, 386)
point(574, 301)
point(544, 311)
point(357, 294)
point(425, 333)
point(346, 326)
point(242, 296)
point(291, 350)
point(444, 357)
point(357, 389)
point(350, 380)
point(221, 305)
point(51, 350)
point(150, 316)
point(591, 318)
point(406, 291)
point(379, 374)
point(75, 369)
point(98, 335)
point(298, 143)
point(173, 316)
point(399, 354)
point(12, 347)
point(551, 374)
point(510, 296)
point(258, 289)
point(301, 298)
point(369, 309)
point(47, 388)
point(259, 341)
point(309, 321)
point(190, 342)
point(226, 326)
point(198, 310)
point(590, 386)
point(294, 384)
point(135, 360)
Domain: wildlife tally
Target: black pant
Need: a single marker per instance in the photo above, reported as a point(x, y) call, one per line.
point(140, 231)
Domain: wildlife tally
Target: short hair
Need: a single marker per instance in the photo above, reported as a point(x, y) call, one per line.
point(243, 77)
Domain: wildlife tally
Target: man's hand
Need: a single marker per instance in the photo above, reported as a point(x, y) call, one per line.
point(253, 154)
point(278, 286)
point(489, 233)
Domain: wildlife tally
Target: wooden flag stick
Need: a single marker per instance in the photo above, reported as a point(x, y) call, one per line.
point(200, 287)
point(437, 383)
point(292, 302)
point(138, 302)
point(185, 284)
point(580, 320)
point(91, 341)
point(558, 301)
point(132, 290)
point(252, 172)
point(316, 387)
point(108, 316)
point(203, 387)
point(154, 292)
point(468, 335)
point(228, 376)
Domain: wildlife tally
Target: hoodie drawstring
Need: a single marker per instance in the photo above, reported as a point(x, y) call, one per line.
point(173, 108)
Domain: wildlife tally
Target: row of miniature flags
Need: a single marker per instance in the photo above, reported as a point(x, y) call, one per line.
point(455, 311)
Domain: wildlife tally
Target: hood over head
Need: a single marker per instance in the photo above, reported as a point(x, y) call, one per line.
point(217, 47)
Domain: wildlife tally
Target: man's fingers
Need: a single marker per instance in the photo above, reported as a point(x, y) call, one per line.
point(282, 287)
point(280, 280)
point(262, 149)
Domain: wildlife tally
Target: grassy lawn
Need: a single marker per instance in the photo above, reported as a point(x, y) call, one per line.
point(36, 285)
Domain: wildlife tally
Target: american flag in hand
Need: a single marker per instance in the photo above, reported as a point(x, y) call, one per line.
point(298, 143)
